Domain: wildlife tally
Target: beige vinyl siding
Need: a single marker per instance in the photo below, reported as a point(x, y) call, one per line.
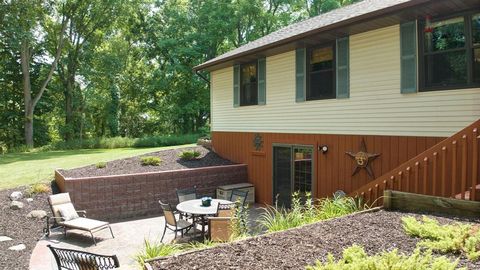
point(375, 106)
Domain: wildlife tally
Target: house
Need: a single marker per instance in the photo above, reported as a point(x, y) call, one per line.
point(336, 102)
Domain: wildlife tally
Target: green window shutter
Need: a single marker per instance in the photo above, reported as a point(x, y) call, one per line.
point(236, 86)
point(408, 61)
point(342, 68)
point(300, 77)
point(262, 81)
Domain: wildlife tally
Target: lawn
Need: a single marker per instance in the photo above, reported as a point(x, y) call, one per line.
point(18, 169)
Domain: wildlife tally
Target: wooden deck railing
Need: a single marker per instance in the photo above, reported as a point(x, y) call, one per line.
point(448, 169)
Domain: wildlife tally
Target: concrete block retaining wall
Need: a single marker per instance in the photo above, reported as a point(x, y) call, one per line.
point(133, 195)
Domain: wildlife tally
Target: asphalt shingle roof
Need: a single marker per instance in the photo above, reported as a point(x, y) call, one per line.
point(302, 28)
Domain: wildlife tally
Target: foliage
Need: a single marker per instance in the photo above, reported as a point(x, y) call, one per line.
point(38, 188)
point(150, 161)
point(279, 219)
point(239, 222)
point(154, 250)
point(355, 258)
point(101, 165)
point(155, 141)
point(200, 245)
point(454, 238)
point(125, 67)
point(189, 154)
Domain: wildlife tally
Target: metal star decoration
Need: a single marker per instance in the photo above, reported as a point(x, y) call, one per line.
point(258, 141)
point(362, 159)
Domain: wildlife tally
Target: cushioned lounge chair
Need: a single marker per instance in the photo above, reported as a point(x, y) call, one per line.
point(65, 216)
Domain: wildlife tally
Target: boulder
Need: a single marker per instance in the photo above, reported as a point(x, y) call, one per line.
point(16, 195)
point(18, 247)
point(5, 238)
point(16, 205)
point(29, 200)
point(38, 214)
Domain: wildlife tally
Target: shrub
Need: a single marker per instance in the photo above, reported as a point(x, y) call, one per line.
point(150, 161)
point(154, 250)
point(167, 140)
point(189, 154)
point(101, 165)
point(279, 219)
point(454, 238)
point(239, 223)
point(38, 188)
point(355, 257)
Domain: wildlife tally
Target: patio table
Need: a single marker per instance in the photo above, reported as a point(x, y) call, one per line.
point(195, 208)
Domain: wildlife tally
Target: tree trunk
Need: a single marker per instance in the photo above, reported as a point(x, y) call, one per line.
point(27, 93)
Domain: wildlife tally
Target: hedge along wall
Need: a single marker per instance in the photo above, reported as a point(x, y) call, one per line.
point(133, 195)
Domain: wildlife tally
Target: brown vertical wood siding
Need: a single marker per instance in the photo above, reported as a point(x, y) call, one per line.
point(332, 171)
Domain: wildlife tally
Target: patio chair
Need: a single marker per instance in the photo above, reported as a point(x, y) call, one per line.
point(70, 259)
point(239, 196)
point(186, 195)
point(172, 223)
point(65, 216)
point(220, 228)
point(225, 210)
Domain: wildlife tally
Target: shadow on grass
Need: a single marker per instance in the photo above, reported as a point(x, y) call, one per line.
point(17, 157)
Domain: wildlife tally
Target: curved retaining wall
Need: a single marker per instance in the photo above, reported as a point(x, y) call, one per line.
point(133, 195)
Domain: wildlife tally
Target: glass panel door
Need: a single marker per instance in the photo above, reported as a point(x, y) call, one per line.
point(302, 173)
point(282, 175)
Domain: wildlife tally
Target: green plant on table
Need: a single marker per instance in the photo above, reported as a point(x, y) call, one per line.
point(189, 154)
point(355, 258)
point(150, 161)
point(101, 165)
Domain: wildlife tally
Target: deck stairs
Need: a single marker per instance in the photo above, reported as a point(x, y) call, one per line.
point(448, 169)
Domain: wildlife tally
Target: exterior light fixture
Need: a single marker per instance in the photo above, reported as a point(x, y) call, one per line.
point(323, 148)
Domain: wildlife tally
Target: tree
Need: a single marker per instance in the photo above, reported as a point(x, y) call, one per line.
point(21, 24)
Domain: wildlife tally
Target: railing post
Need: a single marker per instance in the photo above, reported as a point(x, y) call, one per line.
point(464, 167)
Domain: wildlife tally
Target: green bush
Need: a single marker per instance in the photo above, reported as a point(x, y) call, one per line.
point(168, 140)
point(355, 258)
point(38, 188)
point(150, 161)
point(189, 154)
point(448, 238)
point(239, 223)
point(101, 165)
point(154, 250)
point(279, 219)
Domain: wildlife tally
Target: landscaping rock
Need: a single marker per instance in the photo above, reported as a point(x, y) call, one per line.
point(38, 214)
point(29, 200)
point(16, 205)
point(16, 195)
point(5, 238)
point(18, 247)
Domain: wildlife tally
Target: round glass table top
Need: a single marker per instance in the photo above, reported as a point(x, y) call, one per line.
point(195, 207)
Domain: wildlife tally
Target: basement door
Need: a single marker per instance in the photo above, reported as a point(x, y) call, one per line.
point(292, 171)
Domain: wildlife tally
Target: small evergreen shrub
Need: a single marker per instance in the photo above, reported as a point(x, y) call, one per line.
point(189, 154)
point(101, 165)
point(355, 258)
point(448, 238)
point(150, 161)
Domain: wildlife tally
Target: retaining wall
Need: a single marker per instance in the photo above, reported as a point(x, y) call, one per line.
point(133, 195)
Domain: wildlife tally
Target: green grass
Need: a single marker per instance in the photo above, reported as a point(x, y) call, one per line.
point(19, 169)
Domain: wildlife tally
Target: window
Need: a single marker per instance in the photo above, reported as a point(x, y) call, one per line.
point(248, 84)
point(450, 53)
point(321, 73)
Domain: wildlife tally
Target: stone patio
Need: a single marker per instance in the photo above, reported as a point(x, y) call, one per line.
point(129, 240)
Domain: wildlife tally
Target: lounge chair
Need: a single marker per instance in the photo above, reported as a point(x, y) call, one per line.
point(70, 259)
point(65, 215)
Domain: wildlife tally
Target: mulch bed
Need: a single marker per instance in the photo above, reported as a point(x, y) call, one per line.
point(297, 248)
point(170, 161)
point(23, 230)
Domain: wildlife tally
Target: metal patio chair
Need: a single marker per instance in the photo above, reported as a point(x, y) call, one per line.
point(70, 259)
point(239, 196)
point(186, 194)
point(225, 210)
point(171, 221)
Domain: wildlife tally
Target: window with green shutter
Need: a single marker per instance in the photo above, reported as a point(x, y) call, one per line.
point(343, 71)
point(249, 83)
point(262, 74)
point(300, 80)
point(236, 86)
point(408, 61)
